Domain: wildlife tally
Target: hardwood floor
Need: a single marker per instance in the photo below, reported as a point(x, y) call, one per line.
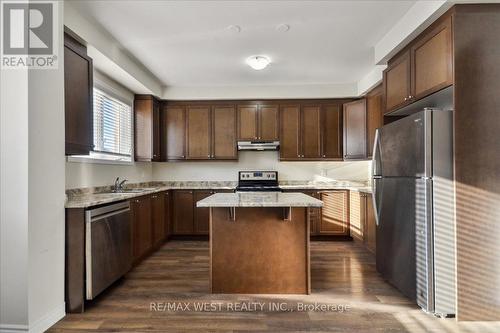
point(343, 277)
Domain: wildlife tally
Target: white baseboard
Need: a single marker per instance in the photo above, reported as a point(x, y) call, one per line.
point(4, 328)
point(39, 326)
point(49, 319)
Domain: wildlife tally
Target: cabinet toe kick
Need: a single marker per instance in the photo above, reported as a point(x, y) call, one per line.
point(287, 213)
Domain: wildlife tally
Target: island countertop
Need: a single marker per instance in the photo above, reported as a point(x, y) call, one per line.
point(259, 199)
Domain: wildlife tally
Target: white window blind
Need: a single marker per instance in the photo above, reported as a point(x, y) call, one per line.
point(112, 125)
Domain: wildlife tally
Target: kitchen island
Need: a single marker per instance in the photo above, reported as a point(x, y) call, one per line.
point(259, 242)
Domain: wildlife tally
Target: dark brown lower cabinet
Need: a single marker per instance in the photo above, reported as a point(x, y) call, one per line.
point(370, 225)
point(314, 214)
point(356, 215)
point(142, 226)
point(187, 219)
point(362, 219)
point(182, 223)
point(335, 213)
point(158, 217)
point(333, 218)
point(168, 214)
point(201, 215)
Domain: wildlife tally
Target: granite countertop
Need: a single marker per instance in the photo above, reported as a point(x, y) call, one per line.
point(87, 197)
point(325, 185)
point(93, 196)
point(259, 199)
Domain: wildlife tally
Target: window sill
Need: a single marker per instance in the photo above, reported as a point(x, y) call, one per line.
point(97, 160)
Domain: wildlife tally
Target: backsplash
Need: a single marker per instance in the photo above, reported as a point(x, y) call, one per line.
point(80, 175)
point(269, 160)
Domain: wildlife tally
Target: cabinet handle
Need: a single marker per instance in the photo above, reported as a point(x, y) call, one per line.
point(406, 98)
point(137, 201)
point(209, 156)
point(324, 155)
point(183, 156)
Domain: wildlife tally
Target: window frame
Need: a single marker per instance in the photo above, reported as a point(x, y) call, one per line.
point(99, 157)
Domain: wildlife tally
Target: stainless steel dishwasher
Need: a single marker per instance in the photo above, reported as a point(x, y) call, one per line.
point(108, 246)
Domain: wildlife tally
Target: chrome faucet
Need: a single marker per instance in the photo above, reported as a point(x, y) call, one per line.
point(119, 185)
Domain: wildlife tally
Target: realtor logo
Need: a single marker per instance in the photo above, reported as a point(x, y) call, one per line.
point(28, 35)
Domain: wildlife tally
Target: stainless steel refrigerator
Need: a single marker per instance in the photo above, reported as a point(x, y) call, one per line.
point(413, 195)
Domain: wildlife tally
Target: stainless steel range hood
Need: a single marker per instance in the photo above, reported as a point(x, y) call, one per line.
point(258, 145)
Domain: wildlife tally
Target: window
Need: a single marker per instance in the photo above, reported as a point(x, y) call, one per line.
point(112, 127)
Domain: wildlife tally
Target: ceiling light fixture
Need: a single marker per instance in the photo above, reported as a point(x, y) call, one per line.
point(258, 62)
point(282, 27)
point(233, 28)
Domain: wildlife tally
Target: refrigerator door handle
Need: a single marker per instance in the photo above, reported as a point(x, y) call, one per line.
point(376, 174)
point(376, 155)
point(374, 199)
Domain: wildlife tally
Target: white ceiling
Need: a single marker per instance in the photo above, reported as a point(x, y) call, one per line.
point(186, 43)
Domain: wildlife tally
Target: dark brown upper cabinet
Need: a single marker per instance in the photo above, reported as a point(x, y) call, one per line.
point(332, 140)
point(258, 122)
point(147, 128)
point(397, 83)
point(174, 127)
point(78, 98)
point(310, 132)
point(355, 130)
point(422, 68)
point(247, 122)
point(199, 132)
point(290, 132)
point(224, 132)
point(374, 116)
point(432, 60)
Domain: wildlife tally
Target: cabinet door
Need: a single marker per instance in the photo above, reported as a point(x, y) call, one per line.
point(168, 214)
point(397, 82)
point(224, 133)
point(374, 116)
point(175, 132)
point(332, 132)
point(311, 131)
point(201, 215)
point(158, 217)
point(198, 132)
point(182, 213)
point(156, 131)
point(290, 148)
point(268, 122)
point(78, 97)
point(432, 57)
point(142, 233)
point(147, 128)
point(334, 214)
point(314, 214)
point(356, 214)
point(370, 225)
point(355, 130)
point(247, 122)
